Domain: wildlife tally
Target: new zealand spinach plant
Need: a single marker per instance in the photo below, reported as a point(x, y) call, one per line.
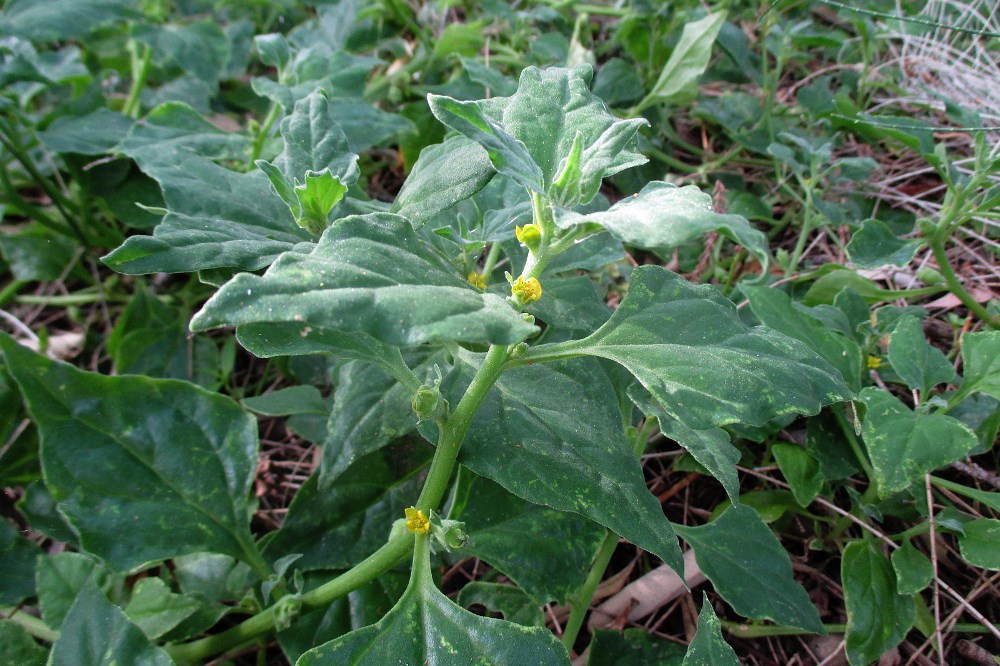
point(472, 307)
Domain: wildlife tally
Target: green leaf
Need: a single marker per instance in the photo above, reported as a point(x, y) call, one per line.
point(913, 570)
point(17, 565)
point(512, 602)
point(97, 633)
point(95, 133)
point(687, 62)
point(663, 216)
point(712, 448)
point(53, 20)
point(547, 553)
point(981, 363)
point(174, 130)
point(874, 245)
point(36, 253)
point(904, 445)
point(189, 457)
point(368, 275)
point(156, 610)
point(370, 409)
point(776, 310)
point(218, 219)
point(709, 648)
point(19, 648)
point(980, 545)
point(689, 349)
point(549, 451)
point(60, 577)
point(427, 627)
point(632, 647)
point(801, 470)
point(316, 197)
point(530, 136)
point(878, 617)
point(570, 303)
point(150, 338)
point(750, 569)
point(361, 607)
point(336, 528)
point(199, 49)
point(315, 167)
point(40, 509)
point(919, 364)
point(443, 175)
point(303, 399)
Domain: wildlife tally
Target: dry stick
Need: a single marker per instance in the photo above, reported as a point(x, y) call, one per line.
point(932, 523)
point(979, 617)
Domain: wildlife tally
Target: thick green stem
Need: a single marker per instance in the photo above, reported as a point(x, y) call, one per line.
point(30, 623)
point(581, 602)
point(449, 443)
point(956, 287)
point(140, 57)
point(265, 130)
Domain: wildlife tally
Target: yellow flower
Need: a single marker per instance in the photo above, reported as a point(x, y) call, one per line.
point(476, 280)
point(530, 235)
point(416, 521)
point(526, 291)
point(873, 362)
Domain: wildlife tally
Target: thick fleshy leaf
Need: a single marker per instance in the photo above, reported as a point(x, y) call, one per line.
point(372, 275)
point(689, 349)
point(314, 144)
point(426, 627)
point(338, 527)
point(801, 470)
point(302, 399)
point(218, 219)
point(776, 310)
point(874, 245)
point(156, 610)
point(60, 577)
point(663, 216)
point(512, 602)
point(919, 364)
point(709, 648)
point(95, 133)
point(914, 571)
point(19, 648)
point(632, 647)
point(980, 545)
point(750, 569)
point(904, 445)
point(547, 553)
point(51, 20)
point(174, 128)
point(188, 457)
point(570, 454)
point(200, 48)
point(981, 363)
point(570, 303)
point(96, 633)
point(712, 448)
point(444, 174)
point(688, 61)
point(370, 409)
point(877, 616)
point(17, 565)
point(552, 136)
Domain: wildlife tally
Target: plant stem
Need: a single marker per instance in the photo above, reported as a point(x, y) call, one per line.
point(265, 129)
point(139, 56)
point(33, 625)
point(491, 260)
point(954, 286)
point(389, 555)
point(581, 601)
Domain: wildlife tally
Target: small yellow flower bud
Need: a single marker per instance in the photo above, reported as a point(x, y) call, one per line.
point(526, 291)
point(416, 521)
point(873, 362)
point(530, 235)
point(476, 280)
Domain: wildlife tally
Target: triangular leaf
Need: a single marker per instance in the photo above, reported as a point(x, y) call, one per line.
point(188, 457)
point(919, 364)
point(371, 275)
point(709, 648)
point(877, 616)
point(687, 346)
